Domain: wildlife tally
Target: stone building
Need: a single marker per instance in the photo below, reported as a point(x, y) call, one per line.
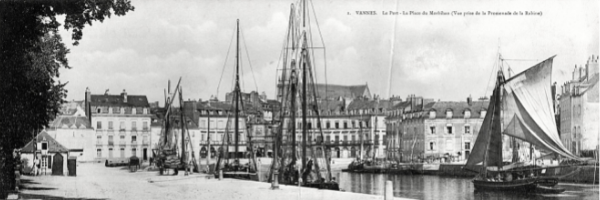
point(579, 109)
point(50, 155)
point(435, 131)
point(121, 123)
point(72, 129)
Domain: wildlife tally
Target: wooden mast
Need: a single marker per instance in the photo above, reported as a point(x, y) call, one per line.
point(304, 60)
point(237, 89)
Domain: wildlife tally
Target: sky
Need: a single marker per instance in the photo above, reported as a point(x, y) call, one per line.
point(442, 57)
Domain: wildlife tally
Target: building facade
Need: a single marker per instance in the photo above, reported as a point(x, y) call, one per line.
point(579, 128)
point(425, 131)
point(72, 129)
point(121, 123)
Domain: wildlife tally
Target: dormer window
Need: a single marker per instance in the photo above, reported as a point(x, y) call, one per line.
point(122, 110)
point(449, 114)
point(467, 114)
point(145, 111)
point(432, 114)
point(133, 111)
point(98, 110)
point(483, 113)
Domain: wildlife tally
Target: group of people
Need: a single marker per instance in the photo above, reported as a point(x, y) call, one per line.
point(508, 176)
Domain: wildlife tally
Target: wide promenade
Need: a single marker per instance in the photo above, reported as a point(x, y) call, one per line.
point(94, 181)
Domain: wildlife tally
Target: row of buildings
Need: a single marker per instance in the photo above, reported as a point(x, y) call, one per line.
point(354, 123)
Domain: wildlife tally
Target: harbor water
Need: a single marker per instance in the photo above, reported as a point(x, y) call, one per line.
point(442, 187)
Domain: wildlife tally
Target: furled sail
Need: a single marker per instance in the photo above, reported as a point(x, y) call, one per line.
point(528, 112)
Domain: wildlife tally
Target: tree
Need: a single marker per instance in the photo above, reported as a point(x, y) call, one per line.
point(31, 54)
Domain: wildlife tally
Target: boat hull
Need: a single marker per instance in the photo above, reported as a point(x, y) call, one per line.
point(239, 175)
point(526, 185)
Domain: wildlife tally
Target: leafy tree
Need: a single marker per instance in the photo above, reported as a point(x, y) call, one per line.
point(31, 54)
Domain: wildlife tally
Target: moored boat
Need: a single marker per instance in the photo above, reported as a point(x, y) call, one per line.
point(520, 107)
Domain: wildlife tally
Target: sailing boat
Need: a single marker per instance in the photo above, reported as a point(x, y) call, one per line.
point(166, 154)
point(298, 88)
point(235, 169)
point(521, 107)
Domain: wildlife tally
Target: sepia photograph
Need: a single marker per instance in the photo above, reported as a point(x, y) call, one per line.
point(299, 99)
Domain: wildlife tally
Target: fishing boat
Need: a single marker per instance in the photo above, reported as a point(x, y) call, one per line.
point(169, 154)
point(231, 166)
point(302, 163)
point(521, 107)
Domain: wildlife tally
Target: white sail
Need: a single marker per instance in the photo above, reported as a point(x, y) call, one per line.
point(528, 112)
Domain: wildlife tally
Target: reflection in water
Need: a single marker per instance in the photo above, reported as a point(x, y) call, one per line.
point(440, 187)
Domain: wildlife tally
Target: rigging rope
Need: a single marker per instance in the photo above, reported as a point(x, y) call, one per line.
point(225, 64)
point(249, 63)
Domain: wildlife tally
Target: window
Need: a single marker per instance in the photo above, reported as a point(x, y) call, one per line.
point(145, 139)
point(98, 153)
point(134, 111)
point(98, 139)
point(133, 152)
point(110, 140)
point(133, 125)
point(116, 110)
point(133, 139)
point(309, 125)
point(449, 114)
point(122, 126)
point(431, 114)
point(327, 138)
point(327, 125)
point(431, 146)
point(110, 152)
point(483, 113)
point(98, 110)
point(145, 126)
point(432, 128)
point(99, 125)
point(449, 128)
point(467, 129)
point(337, 138)
point(467, 145)
point(145, 111)
point(122, 152)
point(44, 146)
point(467, 114)
point(345, 125)
point(337, 125)
point(110, 125)
point(353, 124)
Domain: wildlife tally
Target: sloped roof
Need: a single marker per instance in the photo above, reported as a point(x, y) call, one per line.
point(70, 122)
point(118, 100)
point(70, 108)
point(365, 104)
point(457, 108)
point(53, 145)
point(334, 91)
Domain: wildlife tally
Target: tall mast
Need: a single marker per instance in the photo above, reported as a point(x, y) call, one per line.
point(304, 60)
point(183, 156)
point(237, 87)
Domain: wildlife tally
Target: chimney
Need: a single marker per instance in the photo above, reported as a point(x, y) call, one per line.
point(469, 100)
point(124, 94)
point(87, 105)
